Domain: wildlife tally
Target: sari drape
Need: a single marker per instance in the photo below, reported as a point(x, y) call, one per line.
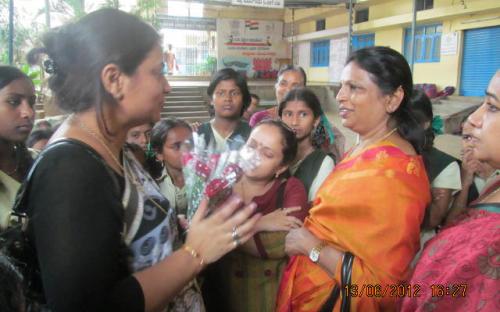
point(460, 267)
point(371, 205)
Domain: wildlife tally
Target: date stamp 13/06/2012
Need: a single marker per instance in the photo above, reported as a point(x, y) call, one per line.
point(402, 290)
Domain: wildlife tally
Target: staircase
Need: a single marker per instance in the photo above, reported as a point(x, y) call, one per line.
point(39, 110)
point(186, 103)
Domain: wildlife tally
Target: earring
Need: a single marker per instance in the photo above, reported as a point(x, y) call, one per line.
point(318, 136)
point(119, 96)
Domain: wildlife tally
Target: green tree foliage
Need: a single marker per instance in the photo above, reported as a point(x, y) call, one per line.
point(146, 9)
point(25, 36)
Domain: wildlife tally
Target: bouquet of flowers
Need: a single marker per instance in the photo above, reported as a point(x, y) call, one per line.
point(211, 174)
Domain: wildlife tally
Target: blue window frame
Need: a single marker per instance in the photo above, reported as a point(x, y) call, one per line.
point(427, 43)
point(362, 41)
point(320, 53)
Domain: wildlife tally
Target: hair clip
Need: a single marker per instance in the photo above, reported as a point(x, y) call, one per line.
point(437, 124)
point(50, 66)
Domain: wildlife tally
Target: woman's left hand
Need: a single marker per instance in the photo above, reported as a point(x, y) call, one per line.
point(300, 242)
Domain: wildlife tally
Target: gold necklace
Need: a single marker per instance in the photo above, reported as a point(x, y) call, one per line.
point(12, 172)
point(85, 128)
point(388, 134)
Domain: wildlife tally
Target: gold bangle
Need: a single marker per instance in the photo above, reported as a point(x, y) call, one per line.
point(193, 253)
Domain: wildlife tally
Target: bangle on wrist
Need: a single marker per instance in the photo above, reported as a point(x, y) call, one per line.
point(194, 254)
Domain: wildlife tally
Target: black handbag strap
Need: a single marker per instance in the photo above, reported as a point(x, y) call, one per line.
point(345, 279)
point(19, 208)
point(331, 300)
point(345, 276)
point(18, 216)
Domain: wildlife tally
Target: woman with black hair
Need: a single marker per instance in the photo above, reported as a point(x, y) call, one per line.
point(229, 95)
point(364, 226)
point(17, 98)
point(38, 139)
point(301, 111)
point(290, 77)
point(167, 137)
point(443, 170)
point(103, 234)
point(247, 279)
point(459, 268)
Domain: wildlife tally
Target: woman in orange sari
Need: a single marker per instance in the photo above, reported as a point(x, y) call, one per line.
point(369, 210)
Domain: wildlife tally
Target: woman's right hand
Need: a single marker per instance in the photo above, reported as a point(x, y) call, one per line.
point(279, 220)
point(470, 166)
point(212, 236)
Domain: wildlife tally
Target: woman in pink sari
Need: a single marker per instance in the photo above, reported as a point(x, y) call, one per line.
point(460, 267)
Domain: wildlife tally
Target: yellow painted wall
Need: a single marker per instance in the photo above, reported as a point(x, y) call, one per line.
point(447, 71)
point(306, 27)
point(391, 37)
point(389, 8)
point(337, 20)
point(389, 18)
point(317, 74)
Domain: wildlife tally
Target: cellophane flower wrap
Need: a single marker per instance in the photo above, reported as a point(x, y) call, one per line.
point(212, 174)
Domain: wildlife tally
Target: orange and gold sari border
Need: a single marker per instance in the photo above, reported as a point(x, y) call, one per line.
point(384, 150)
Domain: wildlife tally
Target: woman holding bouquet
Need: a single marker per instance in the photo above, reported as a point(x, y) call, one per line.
point(247, 279)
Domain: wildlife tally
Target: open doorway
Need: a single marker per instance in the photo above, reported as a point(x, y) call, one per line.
point(195, 50)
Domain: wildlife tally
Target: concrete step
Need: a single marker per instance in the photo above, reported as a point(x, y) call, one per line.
point(185, 92)
point(185, 87)
point(468, 99)
point(193, 90)
point(193, 95)
point(190, 119)
point(39, 114)
point(185, 103)
point(184, 97)
point(184, 108)
point(186, 114)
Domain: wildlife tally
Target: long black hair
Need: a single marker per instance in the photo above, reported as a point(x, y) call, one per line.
point(10, 73)
point(159, 135)
point(23, 157)
point(290, 145)
point(304, 95)
point(389, 70)
point(295, 68)
point(79, 51)
point(422, 108)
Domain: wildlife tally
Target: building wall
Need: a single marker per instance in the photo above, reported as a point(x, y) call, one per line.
point(388, 20)
point(390, 37)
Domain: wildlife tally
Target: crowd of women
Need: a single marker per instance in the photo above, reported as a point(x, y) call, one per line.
point(311, 228)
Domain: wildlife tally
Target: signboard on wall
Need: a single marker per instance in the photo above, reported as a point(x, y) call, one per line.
point(304, 54)
point(338, 56)
point(449, 43)
point(184, 22)
point(252, 47)
point(274, 4)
